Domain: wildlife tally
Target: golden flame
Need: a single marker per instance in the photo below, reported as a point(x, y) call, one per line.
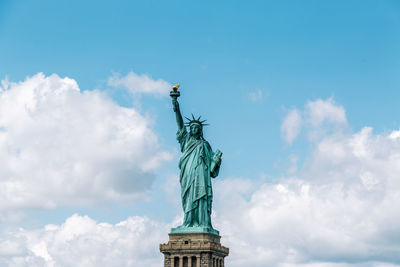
point(175, 87)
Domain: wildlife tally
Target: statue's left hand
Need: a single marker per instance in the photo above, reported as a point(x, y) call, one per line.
point(217, 157)
point(216, 163)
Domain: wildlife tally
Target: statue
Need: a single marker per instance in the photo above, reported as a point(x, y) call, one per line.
point(197, 165)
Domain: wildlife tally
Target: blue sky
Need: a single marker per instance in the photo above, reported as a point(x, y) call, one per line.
point(259, 71)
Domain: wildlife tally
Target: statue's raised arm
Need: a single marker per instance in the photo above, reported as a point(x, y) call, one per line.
point(175, 94)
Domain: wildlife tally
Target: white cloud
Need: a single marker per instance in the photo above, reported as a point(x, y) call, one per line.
point(340, 211)
point(394, 134)
point(81, 241)
point(320, 118)
point(320, 111)
point(291, 126)
point(139, 84)
point(59, 145)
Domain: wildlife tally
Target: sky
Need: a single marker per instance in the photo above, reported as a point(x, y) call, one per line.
point(301, 97)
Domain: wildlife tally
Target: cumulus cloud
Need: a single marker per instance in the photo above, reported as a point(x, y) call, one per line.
point(59, 145)
point(140, 84)
point(320, 111)
point(340, 211)
point(81, 241)
point(291, 126)
point(320, 117)
point(395, 134)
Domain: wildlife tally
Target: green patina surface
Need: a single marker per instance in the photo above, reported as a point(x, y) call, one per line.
point(198, 164)
point(195, 229)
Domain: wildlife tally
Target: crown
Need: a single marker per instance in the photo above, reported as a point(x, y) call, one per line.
point(197, 121)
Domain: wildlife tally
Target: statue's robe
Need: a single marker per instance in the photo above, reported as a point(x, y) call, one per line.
point(195, 179)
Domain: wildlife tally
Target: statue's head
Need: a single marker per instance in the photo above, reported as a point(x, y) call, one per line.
point(196, 130)
point(196, 127)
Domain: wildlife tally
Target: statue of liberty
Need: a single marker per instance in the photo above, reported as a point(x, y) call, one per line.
point(197, 165)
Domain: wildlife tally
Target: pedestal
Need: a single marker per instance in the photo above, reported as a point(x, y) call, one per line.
point(194, 250)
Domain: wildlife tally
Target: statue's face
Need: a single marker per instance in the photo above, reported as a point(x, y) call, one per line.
point(195, 129)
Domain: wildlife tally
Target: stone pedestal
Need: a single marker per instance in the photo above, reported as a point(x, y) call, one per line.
point(194, 250)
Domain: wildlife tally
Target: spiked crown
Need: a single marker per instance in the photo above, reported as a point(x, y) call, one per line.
point(197, 121)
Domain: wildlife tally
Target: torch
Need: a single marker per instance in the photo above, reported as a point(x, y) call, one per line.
point(175, 93)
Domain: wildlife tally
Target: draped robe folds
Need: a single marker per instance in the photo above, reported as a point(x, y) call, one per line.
point(195, 179)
